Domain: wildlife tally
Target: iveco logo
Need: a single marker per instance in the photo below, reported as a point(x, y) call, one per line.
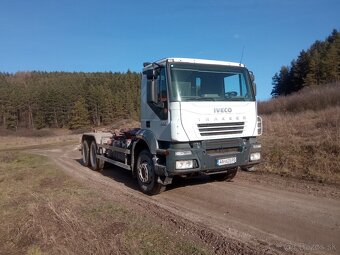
point(223, 110)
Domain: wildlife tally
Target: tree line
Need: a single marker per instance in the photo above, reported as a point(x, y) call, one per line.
point(318, 65)
point(67, 100)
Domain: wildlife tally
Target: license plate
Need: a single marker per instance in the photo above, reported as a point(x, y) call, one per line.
point(226, 161)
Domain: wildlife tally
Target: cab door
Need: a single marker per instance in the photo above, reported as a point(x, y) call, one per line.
point(157, 119)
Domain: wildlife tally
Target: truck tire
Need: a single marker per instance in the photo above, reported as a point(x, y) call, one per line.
point(228, 176)
point(147, 178)
point(85, 151)
point(95, 163)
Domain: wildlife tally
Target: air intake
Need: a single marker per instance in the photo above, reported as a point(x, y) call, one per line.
point(212, 129)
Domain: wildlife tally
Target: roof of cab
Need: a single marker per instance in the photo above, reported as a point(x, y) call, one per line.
point(196, 61)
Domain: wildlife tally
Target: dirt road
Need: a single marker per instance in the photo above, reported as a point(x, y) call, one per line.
point(253, 214)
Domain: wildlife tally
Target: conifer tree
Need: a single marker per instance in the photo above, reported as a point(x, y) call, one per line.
point(79, 115)
point(318, 65)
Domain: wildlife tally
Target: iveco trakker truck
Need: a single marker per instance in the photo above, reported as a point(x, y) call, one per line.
point(197, 117)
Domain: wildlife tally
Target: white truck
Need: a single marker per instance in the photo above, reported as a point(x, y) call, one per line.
point(197, 117)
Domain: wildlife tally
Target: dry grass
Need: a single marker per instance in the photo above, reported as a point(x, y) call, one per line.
point(302, 134)
point(304, 144)
point(311, 98)
point(23, 138)
point(42, 211)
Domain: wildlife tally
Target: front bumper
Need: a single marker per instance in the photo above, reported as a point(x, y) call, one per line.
point(206, 154)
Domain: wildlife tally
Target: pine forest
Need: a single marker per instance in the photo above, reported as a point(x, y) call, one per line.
point(37, 100)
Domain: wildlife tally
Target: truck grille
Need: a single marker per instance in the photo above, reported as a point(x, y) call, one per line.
point(230, 128)
point(232, 150)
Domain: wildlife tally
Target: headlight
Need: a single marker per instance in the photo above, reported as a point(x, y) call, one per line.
point(182, 153)
point(184, 164)
point(255, 156)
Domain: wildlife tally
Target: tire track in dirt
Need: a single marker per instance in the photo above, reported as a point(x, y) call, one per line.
point(240, 216)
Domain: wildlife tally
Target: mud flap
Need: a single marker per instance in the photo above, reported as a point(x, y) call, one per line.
point(164, 180)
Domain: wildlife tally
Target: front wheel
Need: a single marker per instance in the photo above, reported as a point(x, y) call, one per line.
point(147, 178)
point(228, 176)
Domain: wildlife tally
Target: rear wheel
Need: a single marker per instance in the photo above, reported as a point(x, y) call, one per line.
point(228, 176)
point(85, 153)
point(147, 178)
point(95, 163)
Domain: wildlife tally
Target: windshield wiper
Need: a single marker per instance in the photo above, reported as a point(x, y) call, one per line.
point(235, 99)
point(203, 99)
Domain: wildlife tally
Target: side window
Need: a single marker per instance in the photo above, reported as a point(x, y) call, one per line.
point(197, 86)
point(234, 84)
point(162, 91)
point(244, 90)
point(160, 108)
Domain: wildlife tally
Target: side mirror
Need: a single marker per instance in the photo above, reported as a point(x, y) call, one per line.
point(149, 74)
point(252, 76)
point(152, 91)
point(252, 79)
point(152, 74)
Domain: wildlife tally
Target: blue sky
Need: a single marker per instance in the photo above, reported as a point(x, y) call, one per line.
point(84, 35)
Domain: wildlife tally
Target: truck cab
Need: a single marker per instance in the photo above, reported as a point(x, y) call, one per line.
point(203, 112)
point(197, 117)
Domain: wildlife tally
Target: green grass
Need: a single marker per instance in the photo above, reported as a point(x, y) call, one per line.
point(43, 211)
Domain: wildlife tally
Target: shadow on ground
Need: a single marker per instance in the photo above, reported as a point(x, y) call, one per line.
point(124, 176)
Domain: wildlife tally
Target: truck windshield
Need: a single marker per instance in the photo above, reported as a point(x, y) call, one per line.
point(199, 82)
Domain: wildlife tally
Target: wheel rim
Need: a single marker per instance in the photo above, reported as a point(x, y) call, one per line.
point(143, 172)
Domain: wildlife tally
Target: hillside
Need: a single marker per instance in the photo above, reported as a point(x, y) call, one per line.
point(301, 135)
